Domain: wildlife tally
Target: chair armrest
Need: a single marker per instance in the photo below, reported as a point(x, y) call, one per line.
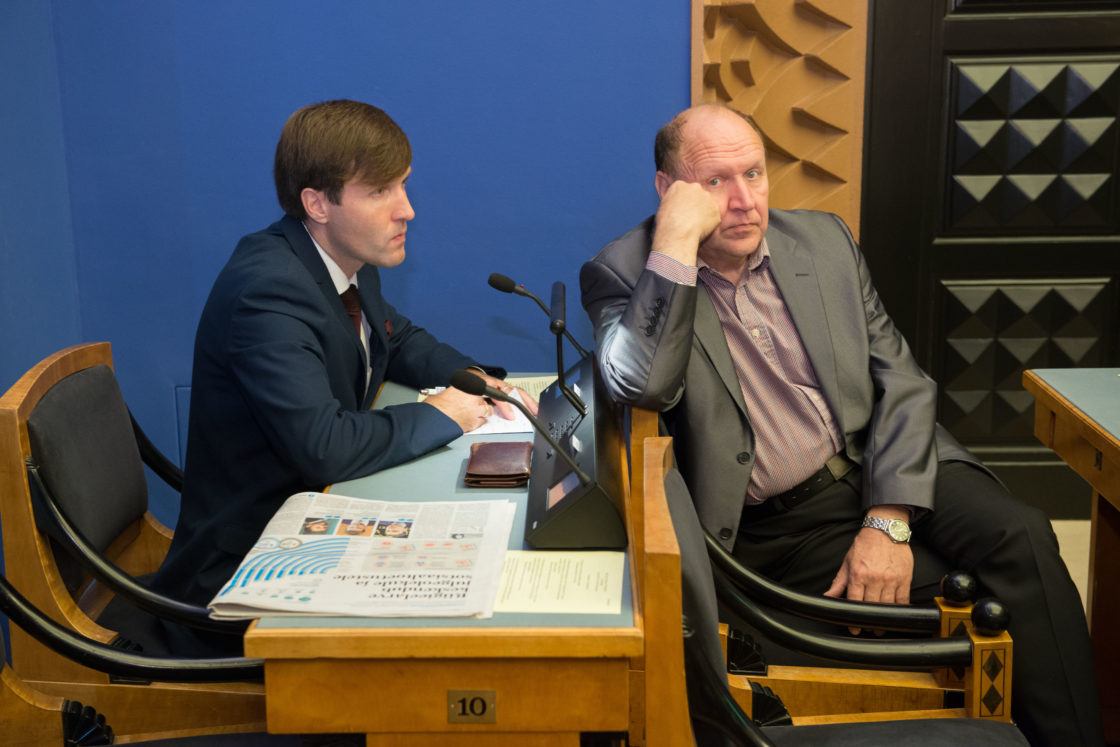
point(874, 615)
point(880, 652)
point(164, 468)
point(105, 658)
point(50, 514)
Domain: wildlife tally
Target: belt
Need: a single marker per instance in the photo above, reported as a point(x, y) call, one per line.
point(833, 470)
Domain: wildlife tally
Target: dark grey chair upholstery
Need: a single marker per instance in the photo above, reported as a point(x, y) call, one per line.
point(86, 477)
point(82, 442)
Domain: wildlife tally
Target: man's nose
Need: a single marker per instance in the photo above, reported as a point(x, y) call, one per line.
point(740, 196)
point(404, 209)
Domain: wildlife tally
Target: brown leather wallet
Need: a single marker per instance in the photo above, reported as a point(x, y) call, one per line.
point(498, 464)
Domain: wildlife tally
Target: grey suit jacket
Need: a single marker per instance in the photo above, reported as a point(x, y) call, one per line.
point(660, 346)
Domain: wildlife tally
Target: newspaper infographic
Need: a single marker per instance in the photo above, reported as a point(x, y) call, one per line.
point(324, 554)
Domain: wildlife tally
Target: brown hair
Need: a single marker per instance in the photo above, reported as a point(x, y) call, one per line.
point(322, 146)
point(667, 143)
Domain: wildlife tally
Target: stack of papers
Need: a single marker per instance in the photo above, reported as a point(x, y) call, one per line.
point(325, 554)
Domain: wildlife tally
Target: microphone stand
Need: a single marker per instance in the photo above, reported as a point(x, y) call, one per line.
point(558, 326)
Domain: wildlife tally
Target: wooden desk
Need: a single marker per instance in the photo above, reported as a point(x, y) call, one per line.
point(544, 678)
point(1077, 414)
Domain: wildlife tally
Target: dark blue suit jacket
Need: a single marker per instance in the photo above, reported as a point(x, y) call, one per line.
point(279, 402)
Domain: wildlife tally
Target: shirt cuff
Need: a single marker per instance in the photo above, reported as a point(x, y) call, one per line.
point(665, 266)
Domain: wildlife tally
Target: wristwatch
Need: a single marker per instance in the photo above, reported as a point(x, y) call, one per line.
point(897, 529)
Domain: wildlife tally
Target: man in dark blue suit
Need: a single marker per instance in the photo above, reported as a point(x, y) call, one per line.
point(284, 373)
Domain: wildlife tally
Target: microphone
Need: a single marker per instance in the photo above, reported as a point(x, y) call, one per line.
point(470, 383)
point(506, 285)
point(558, 325)
point(558, 311)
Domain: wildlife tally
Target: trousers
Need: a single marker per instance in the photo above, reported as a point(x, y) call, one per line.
point(976, 526)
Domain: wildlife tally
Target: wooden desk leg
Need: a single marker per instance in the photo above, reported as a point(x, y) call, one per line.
point(1104, 609)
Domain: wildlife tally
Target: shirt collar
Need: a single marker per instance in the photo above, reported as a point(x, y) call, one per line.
point(338, 277)
point(758, 260)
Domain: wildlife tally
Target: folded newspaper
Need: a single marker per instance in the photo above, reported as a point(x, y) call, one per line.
point(324, 554)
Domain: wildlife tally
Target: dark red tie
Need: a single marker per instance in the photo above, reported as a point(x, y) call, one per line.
point(353, 304)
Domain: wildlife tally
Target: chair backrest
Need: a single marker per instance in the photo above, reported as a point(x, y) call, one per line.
point(48, 578)
point(80, 437)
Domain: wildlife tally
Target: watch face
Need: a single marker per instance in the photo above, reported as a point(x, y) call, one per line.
point(898, 531)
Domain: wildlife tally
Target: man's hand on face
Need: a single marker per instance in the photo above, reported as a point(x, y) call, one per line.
point(686, 217)
point(468, 410)
point(876, 569)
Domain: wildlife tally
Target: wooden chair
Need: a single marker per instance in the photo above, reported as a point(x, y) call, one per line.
point(32, 717)
point(712, 701)
point(109, 510)
point(828, 694)
point(659, 704)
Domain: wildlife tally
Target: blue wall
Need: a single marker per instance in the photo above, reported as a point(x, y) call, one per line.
point(39, 300)
point(136, 144)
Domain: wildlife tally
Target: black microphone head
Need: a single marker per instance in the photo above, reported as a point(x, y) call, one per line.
point(502, 283)
point(468, 382)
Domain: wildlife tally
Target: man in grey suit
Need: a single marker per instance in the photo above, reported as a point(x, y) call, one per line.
point(803, 426)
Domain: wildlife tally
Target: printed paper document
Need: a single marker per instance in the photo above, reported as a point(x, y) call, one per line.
point(324, 554)
point(582, 582)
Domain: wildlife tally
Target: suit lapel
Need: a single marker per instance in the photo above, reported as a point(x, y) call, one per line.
point(709, 332)
point(303, 247)
point(305, 250)
point(797, 279)
point(369, 287)
point(373, 305)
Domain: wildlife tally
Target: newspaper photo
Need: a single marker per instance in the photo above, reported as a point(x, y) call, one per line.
point(324, 554)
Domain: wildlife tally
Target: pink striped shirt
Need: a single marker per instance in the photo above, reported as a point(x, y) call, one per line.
point(794, 430)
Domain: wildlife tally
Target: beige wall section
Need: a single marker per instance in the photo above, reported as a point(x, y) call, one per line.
point(798, 67)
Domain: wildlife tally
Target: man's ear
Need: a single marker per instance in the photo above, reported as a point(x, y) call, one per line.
point(314, 204)
point(661, 182)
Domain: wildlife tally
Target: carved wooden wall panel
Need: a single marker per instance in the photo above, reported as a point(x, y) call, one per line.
point(1034, 146)
point(992, 198)
point(997, 328)
point(798, 67)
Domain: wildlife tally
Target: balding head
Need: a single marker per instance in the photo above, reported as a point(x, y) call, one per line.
point(667, 143)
